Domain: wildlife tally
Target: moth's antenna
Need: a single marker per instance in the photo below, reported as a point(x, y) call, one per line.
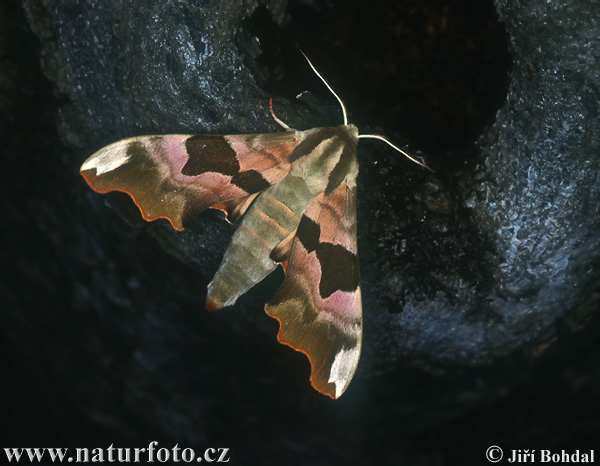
point(364, 136)
point(328, 87)
point(386, 140)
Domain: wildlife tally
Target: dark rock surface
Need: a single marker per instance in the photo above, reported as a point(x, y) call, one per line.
point(480, 282)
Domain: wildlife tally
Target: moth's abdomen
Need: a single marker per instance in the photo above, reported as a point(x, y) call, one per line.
point(272, 218)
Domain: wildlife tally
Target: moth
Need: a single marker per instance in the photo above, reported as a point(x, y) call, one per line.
point(295, 193)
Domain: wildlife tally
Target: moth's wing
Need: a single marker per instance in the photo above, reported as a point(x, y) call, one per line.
point(177, 176)
point(318, 306)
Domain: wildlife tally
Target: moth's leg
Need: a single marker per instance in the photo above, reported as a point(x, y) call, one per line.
point(276, 118)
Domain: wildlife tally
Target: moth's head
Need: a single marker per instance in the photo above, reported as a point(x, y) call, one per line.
point(351, 131)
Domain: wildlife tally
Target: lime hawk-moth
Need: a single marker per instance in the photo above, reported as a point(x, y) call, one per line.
point(295, 192)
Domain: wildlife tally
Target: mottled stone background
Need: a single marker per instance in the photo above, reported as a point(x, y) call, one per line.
point(480, 280)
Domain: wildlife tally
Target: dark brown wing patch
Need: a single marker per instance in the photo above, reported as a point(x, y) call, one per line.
point(210, 154)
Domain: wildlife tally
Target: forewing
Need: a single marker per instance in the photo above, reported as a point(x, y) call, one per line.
point(318, 306)
point(177, 176)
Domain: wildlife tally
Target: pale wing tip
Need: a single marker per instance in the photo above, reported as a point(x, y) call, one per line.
point(106, 159)
point(343, 369)
point(90, 164)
